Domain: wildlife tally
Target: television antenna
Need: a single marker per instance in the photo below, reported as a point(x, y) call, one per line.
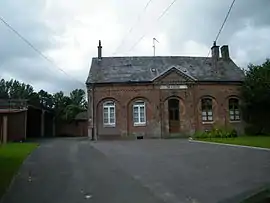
point(154, 45)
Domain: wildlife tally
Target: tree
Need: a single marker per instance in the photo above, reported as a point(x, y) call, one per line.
point(256, 97)
point(13, 89)
point(46, 99)
point(77, 97)
point(68, 107)
point(65, 107)
point(4, 89)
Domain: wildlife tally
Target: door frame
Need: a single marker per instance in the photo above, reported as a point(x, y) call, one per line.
point(174, 124)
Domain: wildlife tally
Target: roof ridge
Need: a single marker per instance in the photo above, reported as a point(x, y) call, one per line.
point(152, 57)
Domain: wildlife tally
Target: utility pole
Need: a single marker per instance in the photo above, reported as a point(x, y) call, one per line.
point(154, 45)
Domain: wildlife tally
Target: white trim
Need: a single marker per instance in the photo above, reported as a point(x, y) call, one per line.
point(208, 122)
point(139, 106)
point(173, 87)
point(235, 121)
point(230, 145)
point(109, 105)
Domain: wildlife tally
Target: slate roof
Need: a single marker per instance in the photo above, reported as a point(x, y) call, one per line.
point(140, 69)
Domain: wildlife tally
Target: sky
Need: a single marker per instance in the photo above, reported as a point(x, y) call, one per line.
point(67, 32)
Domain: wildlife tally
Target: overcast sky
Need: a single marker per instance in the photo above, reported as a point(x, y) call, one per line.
point(68, 31)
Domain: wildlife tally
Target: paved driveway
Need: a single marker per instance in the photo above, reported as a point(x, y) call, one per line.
point(145, 171)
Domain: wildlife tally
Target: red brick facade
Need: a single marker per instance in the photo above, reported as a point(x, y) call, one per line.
point(156, 104)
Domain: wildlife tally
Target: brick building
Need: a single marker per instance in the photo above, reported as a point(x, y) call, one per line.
point(159, 96)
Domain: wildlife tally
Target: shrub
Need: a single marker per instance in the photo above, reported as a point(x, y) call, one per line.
point(217, 133)
point(234, 133)
point(200, 134)
point(252, 130)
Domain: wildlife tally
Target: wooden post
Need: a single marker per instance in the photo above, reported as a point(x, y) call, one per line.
point(53, 127)
point(25, 125)
point(5, 129)
point(42, 123)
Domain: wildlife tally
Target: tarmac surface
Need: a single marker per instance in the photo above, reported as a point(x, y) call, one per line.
point(76, 170)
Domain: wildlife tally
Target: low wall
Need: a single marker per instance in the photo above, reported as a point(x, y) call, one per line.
point(74, 129)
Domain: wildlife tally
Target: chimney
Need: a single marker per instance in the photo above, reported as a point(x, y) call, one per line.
point(225, 52)
point(99, 50)
point(215, 51)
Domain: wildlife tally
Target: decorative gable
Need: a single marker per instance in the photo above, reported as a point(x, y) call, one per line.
point(173, 76)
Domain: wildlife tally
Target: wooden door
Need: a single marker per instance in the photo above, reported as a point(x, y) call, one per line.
point(174, 116)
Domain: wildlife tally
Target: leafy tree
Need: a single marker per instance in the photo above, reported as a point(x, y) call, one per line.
point(65, 107)
point(34, 99)
point(4, 90)
point(46, 99)
point(68, 107)
point(256, 97)
point(77, 97)
point(13, 89)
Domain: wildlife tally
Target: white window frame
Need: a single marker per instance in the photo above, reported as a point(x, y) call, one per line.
point(207, 113)
point(109, 105)
point(234, 113)
point(139, 105)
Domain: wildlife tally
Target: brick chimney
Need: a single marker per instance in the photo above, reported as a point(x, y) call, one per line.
point(99, 50)
point(215, 51)
point(225, 52)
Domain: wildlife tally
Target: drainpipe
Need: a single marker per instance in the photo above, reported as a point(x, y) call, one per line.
point(90, 90)
point(94, 136)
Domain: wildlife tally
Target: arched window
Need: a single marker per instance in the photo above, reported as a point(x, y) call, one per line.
point(109, 113)
point(234, 109)
point(207, 109)
point(139, 115)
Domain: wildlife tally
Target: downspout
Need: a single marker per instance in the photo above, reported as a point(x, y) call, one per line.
point(195, 107)
point(94, 136)
point(161, 110)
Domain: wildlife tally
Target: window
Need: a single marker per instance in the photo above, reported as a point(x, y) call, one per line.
point(234, 109)
point(207, 110)
point(139, 113)
point(109, 113)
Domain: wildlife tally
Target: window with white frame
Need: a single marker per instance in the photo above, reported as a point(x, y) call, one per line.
point(139, 117)
point(207, 109)
point(234, 109)
point(109, 113)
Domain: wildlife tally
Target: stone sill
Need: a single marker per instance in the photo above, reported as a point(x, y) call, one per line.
point(208, 122)
point(139, 124)
point(235, 121)
point(109, 126)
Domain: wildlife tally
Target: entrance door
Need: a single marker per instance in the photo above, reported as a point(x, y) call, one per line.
point(174, 120)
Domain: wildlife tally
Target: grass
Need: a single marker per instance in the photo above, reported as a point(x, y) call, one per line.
point(254, 141)
point(11, 157)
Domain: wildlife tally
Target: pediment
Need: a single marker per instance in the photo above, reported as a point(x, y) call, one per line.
point(173, 76)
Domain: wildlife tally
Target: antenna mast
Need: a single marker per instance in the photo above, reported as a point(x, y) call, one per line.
point(154, 45)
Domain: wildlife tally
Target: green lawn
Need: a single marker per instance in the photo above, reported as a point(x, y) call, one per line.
point(255, 141)
point(11, 157)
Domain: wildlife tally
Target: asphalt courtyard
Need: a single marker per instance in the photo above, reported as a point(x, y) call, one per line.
point(144, 171)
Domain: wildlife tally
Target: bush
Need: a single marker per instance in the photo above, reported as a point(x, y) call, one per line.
point(252, 130)
point(217, 133)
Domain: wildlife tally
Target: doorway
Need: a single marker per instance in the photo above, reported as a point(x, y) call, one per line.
point(174, 115)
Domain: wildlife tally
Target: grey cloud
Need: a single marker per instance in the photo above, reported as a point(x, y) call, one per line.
point(17, 59)
point(202, 19)
point(246, 31)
